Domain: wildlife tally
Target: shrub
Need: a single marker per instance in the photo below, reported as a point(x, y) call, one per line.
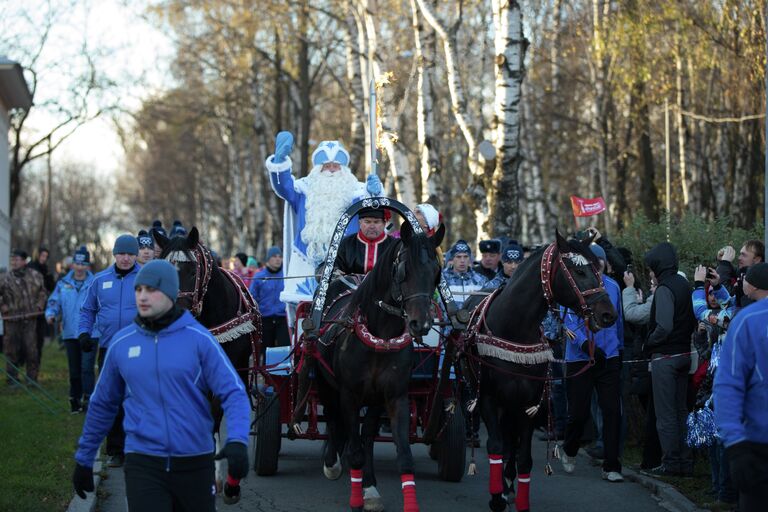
point(696, 240)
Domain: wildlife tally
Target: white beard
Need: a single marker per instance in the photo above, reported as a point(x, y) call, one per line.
point(327, 198)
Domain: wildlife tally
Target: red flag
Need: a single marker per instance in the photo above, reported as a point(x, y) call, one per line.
point(583, 207)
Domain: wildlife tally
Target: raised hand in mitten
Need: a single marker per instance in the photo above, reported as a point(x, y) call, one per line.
point(373, 185)
point(283, 147)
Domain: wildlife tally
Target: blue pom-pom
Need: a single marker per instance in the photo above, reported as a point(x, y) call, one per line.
point(714, 359)
point(701, 428)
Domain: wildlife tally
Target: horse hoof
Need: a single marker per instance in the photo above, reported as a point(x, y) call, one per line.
point(372, 501)
point(334, 472)
point(231, 494)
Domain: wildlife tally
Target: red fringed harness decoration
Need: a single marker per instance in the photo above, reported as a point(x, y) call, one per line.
point(246, 321)
point(490, 345)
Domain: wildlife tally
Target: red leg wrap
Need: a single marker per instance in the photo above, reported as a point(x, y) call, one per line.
point(523, 488)
point(409, 493)
point(356, 497)
point(233, 482)
point(495, 484)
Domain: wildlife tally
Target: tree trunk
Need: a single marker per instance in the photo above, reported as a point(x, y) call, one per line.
point(461, 116)
point(356, 97)
point(510, 46)
point(424, 38)
point(649, 198)
point(680, 121)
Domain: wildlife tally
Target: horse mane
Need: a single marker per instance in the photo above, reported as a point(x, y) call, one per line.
point(380, 277)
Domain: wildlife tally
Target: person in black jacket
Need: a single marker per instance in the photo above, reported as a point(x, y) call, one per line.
point(669, 334)
point(359, 252)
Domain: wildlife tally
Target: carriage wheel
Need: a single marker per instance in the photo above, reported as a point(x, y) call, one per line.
point(451, 448)
point(267, 437)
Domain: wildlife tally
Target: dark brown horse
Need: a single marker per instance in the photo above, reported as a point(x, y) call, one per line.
point(372, 356)
point(506, 357)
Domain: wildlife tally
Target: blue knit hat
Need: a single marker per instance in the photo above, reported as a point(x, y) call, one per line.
point(157, 227)
point(126, 244)
point(81, 256)
point(274, 251)
point(161, 275)
point(177, 229)
point(598, 251)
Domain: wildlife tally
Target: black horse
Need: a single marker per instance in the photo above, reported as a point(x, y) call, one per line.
point(219, 300)
point(370, 356)
point(507, 359)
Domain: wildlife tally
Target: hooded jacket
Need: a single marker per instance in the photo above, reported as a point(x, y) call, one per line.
point(162, 379)
point(65, 302)
point(672, 321)
point(109, 302)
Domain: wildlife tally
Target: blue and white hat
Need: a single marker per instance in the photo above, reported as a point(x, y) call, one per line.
point(81, 256)
point(459, 247)
point(145, 240)
point(512, 253)
point(330, 151)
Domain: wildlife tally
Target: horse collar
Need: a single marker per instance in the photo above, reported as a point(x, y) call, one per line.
point(376, 343)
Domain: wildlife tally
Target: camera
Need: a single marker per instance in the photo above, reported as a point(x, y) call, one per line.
point(631, 269)
point(710, 274)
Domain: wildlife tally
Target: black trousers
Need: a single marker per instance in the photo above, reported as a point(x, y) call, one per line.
point(116, 435)
point(176, 484)
point(274, 331)
point(606, 379)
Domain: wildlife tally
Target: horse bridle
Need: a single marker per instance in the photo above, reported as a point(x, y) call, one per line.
point(398, 277)
point(203, 270)
point(550, 263)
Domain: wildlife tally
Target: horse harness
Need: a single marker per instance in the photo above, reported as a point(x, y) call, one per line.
point(246, 321)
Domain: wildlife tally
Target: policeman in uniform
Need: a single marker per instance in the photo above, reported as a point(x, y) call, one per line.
point(359, 252)
point(490, 259)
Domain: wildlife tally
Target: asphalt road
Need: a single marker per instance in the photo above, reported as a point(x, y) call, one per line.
point(299, 486)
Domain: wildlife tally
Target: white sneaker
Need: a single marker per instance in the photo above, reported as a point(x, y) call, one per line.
point(569, 463)
point(612, 476)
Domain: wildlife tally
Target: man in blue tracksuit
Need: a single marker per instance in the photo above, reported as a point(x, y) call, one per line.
point(741, 393)
point(604, 377)
point(162, 368)
point(65, 302)
point(110, 303)
point(266, 286)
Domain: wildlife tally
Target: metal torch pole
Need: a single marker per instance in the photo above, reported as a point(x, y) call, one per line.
point(372, 127)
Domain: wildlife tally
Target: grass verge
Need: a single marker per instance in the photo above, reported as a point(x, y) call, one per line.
point(695, 489)
point(38, 446)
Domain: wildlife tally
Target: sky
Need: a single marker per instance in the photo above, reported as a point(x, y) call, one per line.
point(126, 47)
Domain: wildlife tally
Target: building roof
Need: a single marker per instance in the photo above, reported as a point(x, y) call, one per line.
point(14, 91)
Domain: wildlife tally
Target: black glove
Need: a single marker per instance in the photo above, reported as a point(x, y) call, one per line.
point(86, 342)
point(82, 479)
point(745, 466)
point(237, 459)
point(599, 354)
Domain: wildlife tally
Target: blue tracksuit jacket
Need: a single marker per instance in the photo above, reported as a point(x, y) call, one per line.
point(267, 292)
point(65, 302)
point(610, 339)
point(741, 381)
point(110, 302)
point(162, 380)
